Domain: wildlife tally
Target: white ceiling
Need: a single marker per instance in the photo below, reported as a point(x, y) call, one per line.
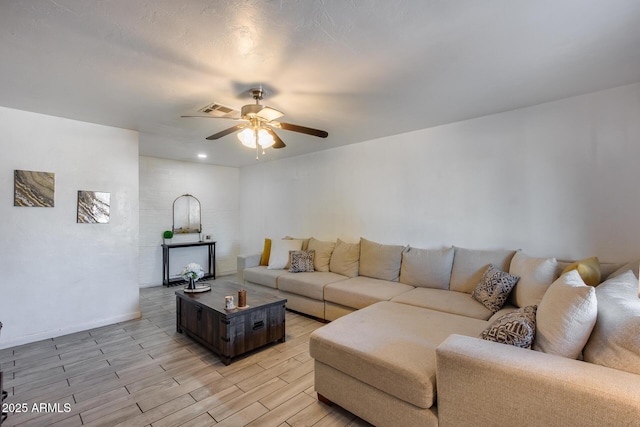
point(359, 69)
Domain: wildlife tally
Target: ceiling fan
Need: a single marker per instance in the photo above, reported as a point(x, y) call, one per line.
point(258, 122)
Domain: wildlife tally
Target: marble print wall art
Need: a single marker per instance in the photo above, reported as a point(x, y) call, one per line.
point(93, 207)
point(33, 188)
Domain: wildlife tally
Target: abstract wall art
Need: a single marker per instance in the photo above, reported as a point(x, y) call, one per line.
point(33, 188)
point(93, 207)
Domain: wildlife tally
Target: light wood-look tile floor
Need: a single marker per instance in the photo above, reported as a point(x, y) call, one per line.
point(143, 373)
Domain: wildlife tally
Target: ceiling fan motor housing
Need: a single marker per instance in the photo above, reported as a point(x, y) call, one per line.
point(251, 110)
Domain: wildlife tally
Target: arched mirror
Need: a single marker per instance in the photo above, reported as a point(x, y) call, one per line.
point(186, 215)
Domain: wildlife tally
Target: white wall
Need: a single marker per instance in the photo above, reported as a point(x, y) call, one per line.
point(59, 276)
point(217, 188)
point(555, 179)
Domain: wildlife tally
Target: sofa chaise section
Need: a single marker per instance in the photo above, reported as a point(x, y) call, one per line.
point(391, 360)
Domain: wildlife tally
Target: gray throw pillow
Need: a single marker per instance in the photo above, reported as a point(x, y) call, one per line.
point(301, 261)
point(494, 288)
point(517, 328)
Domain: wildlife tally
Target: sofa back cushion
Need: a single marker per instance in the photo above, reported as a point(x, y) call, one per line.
point(380, 261)
point(470, 264)
point(427, 268)
point(536, 275)
point(615, 340)
point(345, 259)
point(566, 316)
point(323, 253)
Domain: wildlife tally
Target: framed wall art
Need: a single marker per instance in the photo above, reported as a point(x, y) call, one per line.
point(33, 189)
point(93, 207)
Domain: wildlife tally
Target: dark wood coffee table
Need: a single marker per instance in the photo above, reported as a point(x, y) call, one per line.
point(230, 333)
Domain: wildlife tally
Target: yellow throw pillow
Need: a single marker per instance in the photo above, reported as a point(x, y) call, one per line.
point(266, 252)
point(588, 269)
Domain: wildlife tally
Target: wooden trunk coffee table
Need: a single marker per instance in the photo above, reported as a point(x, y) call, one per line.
point(230, 333)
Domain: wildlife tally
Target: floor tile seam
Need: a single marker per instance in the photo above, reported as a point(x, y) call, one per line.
point(244, 396)
point(256, 422)
point(240, 410)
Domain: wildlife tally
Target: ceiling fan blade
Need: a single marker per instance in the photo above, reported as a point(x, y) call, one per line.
point(268, 114)
point(276, 138)
point(214, 117)
point(301, 129)
point(226, 132)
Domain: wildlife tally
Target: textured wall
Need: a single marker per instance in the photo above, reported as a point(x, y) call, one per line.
point(59, 276)
point(554, 179)
point(217, 187)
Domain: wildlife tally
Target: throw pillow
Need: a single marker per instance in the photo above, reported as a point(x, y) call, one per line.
point(588, 268)
point(566, 315)
point(470, 264)
point(301, 261)
point(427, 268)
point(323, 253)
point(279, 256)
point(266, 251)
point(517, 328)
point(380, 261)
point(494, 288)
point(345, 259)
point(615, 340)
point(536, 275)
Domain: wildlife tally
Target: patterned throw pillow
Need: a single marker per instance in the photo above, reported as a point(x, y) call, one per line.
point(301, 261)
point(494, 288)
point(517, 328)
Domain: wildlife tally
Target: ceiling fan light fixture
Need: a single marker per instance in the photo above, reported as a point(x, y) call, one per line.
point(248, 138)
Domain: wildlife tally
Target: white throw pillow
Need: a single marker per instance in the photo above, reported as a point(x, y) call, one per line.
point(615, 340)
point(279, 256)
point(566, 316)
point(536, 275)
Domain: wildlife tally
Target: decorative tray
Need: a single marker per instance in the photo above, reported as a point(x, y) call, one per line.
point(199, 288)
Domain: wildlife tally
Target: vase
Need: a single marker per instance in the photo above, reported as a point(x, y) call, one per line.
point(191, 284)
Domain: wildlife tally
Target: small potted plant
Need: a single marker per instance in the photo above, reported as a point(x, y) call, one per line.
point(167, 235)
point(192, 273)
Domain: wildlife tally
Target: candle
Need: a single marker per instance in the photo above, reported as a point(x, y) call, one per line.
point(242, 298)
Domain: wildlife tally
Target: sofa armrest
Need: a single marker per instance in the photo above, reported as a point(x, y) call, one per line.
point(246, 261)
point(489, 384)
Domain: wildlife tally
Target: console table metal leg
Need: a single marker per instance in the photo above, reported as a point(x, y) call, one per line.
point(165, 266)
point(212, 261)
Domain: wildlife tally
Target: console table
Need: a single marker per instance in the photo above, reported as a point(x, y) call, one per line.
point(166, 249)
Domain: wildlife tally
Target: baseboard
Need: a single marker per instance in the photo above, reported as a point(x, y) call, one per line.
point(70, 330)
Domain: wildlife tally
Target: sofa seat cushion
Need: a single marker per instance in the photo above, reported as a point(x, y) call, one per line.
point(308, 284)
point(359, 292)
point(460, 303)
point(391, 347)
point(264, 276)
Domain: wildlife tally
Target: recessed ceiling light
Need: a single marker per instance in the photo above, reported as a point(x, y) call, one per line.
point(202, 156)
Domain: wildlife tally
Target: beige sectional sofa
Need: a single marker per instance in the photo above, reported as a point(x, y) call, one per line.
point(404, 348)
